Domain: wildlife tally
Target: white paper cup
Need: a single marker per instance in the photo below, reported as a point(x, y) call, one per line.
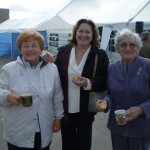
point(121, 116)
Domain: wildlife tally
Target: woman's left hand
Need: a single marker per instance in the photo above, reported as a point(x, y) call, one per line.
point(101, 105)
point(56, 125)
point(82, 81)
point(133, 113)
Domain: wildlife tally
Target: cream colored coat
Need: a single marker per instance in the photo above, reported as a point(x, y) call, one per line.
point(20, 123)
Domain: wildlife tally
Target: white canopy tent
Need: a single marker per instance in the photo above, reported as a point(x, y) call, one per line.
point(106, 11)
point(54, 24)
point(112, 15)
point(57, 30)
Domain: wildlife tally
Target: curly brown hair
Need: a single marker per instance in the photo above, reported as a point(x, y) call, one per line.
point(96, 36)
point(28, 34)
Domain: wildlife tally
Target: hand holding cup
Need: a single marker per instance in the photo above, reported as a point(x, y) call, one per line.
point(13, 98)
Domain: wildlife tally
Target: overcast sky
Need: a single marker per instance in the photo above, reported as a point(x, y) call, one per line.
point(33, 8)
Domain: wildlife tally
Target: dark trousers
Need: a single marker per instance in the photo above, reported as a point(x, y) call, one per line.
point(37, 144)
point(77, 132)
point(130, 143)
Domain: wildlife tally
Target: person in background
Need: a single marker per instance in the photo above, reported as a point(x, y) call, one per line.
point(75, 63)
point(129, 89)
point(145, 50)
point(30, 128)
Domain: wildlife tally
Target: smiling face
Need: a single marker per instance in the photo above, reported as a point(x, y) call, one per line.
point(30, 43)
point(31, 51)
point(128, 49)
point(84, 35)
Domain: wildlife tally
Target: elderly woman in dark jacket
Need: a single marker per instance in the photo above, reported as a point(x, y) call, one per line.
point(129, 89)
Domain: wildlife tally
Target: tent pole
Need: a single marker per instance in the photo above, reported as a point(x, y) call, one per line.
point(137, 13)
point(64, 7)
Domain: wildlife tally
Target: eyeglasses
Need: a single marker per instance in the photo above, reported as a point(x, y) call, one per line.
point(125, 45)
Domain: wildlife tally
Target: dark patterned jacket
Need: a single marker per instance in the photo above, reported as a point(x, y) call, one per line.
point(98, 82)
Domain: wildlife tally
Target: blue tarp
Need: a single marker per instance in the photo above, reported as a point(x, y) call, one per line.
point(5, 44)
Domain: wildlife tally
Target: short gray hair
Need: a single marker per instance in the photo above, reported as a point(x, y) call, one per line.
point(127, 32)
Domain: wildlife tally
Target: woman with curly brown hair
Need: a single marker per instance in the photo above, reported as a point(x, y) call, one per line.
point(75, 63)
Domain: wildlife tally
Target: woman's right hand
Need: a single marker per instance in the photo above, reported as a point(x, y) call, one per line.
point(14, 98)
point(101, 105)
point(49, 57)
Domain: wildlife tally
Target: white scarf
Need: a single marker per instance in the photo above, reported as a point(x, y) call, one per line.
point(74, 90)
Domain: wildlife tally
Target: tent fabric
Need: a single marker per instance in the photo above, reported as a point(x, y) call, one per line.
point(57, 24)
point(5, 44)
point(12, 24)
point(107, 11)
point(111, 15)
point(44, 25)
point(108, 28)
point(40, 23)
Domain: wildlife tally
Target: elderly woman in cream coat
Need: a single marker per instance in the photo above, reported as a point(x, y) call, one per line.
point(30, 127)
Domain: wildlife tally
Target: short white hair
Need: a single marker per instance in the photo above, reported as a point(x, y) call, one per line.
point(127, 32)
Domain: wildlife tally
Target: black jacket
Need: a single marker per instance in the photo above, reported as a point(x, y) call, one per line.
point(98, 82)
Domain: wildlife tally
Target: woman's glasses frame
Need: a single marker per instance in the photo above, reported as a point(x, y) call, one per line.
point(125, 45)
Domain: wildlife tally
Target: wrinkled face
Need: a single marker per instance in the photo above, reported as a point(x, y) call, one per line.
point(84, 34)
point(128, 49)
point(31, 51)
